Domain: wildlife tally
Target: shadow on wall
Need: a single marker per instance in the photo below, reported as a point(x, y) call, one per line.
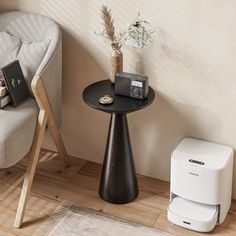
point(186, 105)
point(84, 57)
point(10, 5)
point(80, 69)
point(83, 129)
point(165, 123)
point(20, 5)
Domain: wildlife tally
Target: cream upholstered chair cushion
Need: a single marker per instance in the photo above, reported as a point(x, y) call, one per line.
point(35, 41)
point(17, 128)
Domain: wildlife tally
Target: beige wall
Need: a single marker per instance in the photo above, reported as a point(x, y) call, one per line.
point(24, 5)
point(191, 67)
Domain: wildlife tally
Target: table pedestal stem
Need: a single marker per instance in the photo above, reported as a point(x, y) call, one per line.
point(118, 181)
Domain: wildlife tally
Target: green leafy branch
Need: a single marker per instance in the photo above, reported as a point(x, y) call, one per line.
point(139, 31)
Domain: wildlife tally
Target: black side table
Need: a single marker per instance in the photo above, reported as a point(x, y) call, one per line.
point(118, 182)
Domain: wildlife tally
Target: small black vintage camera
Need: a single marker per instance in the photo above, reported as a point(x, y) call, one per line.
point(131, 85)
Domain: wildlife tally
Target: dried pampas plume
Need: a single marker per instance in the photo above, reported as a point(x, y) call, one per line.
point(109, 30)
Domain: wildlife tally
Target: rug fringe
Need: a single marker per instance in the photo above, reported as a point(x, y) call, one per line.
point(70, 211)
point(54, 219)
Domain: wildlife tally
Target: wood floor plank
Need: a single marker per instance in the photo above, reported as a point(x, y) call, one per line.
point(134, 211)
point(74, 191)
point(37, 211)
point(153, 186)
point(14, 176)
point(10, 195)
point(91, 169)
point(32, 220)
point(50, 165)
point(79, 183)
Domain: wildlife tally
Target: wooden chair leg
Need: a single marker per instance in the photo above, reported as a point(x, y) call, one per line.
point(42, 100)
point(46, 117)
point(56, 136)
point(34, 154)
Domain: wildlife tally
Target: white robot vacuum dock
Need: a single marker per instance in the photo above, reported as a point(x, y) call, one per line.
point(193, 215)
point(200, 184)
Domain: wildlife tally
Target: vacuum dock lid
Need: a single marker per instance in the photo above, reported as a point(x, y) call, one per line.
point(193, 215)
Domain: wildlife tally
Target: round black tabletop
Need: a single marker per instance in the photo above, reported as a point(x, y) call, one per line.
point(121, 104)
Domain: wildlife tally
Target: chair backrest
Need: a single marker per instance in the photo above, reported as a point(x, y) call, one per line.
point(35, 40)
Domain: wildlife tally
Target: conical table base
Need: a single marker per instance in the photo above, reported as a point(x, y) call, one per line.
point(118, 181)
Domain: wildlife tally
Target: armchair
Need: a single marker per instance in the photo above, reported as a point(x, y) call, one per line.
point(35, 41)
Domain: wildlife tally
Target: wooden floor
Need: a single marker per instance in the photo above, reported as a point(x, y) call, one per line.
point(78, 183)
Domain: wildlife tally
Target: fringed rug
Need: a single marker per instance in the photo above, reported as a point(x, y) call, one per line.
point(72, 220)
